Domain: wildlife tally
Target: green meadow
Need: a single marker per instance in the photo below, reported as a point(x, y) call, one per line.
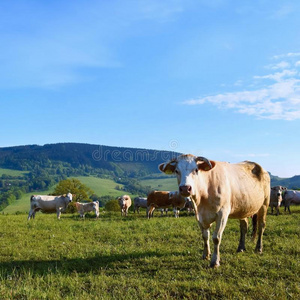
point(12, 172)
point(135, 258)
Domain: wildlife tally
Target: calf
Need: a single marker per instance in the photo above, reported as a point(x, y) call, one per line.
point(83, 208)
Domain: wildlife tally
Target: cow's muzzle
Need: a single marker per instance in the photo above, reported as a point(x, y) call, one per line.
point(185, 190)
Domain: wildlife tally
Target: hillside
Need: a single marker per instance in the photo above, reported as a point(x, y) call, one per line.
point(105, 159)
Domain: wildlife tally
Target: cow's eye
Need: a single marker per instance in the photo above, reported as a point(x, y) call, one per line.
point(176, 171)
point(196, 171)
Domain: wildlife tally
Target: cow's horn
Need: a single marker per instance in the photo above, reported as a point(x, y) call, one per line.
point(201, 158)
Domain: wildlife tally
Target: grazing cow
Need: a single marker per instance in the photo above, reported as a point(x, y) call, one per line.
point(220, 191)
point(125, 203)
point(139, 202)
point(83, 208)
point(291, 197)
point(276, 198)
point(189, 205)
point(49, 204)
point(163, 199)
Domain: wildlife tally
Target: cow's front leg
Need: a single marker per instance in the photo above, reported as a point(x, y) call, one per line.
point(58, 212)
point(243, 232)
point(217, 237)
point(205, 236)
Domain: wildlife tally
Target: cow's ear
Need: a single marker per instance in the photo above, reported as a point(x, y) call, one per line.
point(169, 167)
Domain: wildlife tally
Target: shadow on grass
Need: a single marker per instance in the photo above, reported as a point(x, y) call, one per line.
point(80, 265)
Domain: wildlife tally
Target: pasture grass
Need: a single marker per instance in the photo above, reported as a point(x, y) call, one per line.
point(161, 184)
point(101, 186)
point(12, 172)
point(135, 258)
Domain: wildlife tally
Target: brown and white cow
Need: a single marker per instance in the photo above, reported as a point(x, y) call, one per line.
point(164, 199)
point(125, 203)
point(291, 197)
point(276, 198)
point(220, 191)
point(83, 208)
point(49, 204)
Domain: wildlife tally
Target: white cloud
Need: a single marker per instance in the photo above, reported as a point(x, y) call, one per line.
point(279, 99)
point(280, 65)
point(278, 76)
point(288, 55)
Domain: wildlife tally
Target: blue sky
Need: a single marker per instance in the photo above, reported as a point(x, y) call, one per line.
point(213, 78)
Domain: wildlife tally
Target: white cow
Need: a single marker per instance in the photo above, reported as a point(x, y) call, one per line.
point(47, 204)
point(291, 197)
point(83, 208)
point(139, 202)
point(276, 198)
point(220, 191)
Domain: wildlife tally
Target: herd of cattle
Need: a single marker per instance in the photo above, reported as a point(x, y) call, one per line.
point(213, 190)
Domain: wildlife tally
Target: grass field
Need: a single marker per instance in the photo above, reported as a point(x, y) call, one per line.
point(136, 258)
point(101, 186)
point(165, 184)
point(12, 172)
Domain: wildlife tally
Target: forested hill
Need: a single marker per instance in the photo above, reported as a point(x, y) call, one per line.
point(114, 160)
point(69, 159)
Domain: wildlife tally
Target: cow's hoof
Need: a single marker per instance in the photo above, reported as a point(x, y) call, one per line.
point(214, 265)
point(258, 250)
point(241, 250)
point(206, 257)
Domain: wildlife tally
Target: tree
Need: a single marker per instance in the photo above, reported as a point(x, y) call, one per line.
point(75, 187)
point(112, 205)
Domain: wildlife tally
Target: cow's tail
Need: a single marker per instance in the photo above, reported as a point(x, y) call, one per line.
point(254, 226)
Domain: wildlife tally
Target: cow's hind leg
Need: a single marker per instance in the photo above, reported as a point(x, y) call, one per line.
point(150, 210)
point(31, 214)
point(261, 224)
point(243, 232)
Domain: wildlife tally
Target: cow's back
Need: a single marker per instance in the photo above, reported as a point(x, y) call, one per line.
point(292, 196)
point(246, 184)
point(159, 199)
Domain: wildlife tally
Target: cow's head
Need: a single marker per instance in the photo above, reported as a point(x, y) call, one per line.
point(122, 201)
point(69, 196)
point(187, 169)
point(277, 192)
